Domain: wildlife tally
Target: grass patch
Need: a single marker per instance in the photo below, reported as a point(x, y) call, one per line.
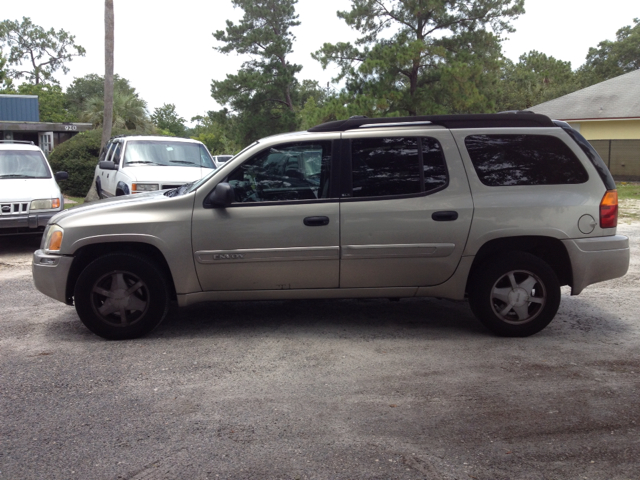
point(77, 200)
point(628, 190)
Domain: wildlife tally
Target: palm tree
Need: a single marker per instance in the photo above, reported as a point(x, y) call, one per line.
point(129, 112)
point(108, 71)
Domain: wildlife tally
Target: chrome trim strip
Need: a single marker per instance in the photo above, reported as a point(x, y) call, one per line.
point(411, 250)
point(267, 255)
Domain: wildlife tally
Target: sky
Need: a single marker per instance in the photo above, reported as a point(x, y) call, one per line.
point(165, 48)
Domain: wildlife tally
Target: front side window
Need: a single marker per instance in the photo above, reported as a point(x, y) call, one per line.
point(23, 164)
point(396, 166)
point(117, 152)
point(166, 153)
point(295, 171)
point(503, 160)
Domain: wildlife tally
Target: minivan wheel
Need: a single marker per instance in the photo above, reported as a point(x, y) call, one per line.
point(515, 295)
point(121, 295)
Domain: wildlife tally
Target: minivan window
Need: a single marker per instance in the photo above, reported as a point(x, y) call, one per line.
point(504, 160)
point(396, 166)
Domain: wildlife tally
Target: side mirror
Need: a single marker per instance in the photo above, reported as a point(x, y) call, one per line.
point(220, 197)
point(61, 176)
point(107, 165)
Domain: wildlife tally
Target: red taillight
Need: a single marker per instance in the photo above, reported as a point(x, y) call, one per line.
point(609, 209)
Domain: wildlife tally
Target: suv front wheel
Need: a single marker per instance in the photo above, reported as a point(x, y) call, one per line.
point(121, 295)
point(515, 295)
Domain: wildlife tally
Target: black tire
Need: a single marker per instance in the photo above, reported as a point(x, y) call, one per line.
point(99, 188)
point(515, 295)
point(121, 285)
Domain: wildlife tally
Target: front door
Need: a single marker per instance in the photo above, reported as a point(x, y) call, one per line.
point(405, 219)
point(281, 233)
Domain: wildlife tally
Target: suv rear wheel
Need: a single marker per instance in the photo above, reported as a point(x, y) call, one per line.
point(121, 296)
point(515, 295)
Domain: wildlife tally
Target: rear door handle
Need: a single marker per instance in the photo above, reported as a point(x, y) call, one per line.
point(316, 221)
point(445, 216)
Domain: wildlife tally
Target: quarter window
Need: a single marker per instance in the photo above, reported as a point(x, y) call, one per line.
point(296, 171)
point(502, 160)
point(396, 166)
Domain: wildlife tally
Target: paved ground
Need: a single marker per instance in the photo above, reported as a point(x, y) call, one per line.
point(320, 390)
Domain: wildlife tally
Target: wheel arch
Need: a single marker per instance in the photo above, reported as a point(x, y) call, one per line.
point(88, 253)
point(549, 249)
point(122, 187)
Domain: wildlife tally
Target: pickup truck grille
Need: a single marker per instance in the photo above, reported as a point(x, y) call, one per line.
point(14, 208)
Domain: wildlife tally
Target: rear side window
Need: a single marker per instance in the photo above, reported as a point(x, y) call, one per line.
point(505, 160)
point(394, 166)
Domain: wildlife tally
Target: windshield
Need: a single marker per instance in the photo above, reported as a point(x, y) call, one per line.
point(167, 153)
point(23, 164)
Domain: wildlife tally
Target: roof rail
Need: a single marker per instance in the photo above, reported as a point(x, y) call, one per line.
point(24, 142)
point(482, 120)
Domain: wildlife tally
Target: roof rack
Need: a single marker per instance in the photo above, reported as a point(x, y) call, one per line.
point(24, 142)
point(482, 120)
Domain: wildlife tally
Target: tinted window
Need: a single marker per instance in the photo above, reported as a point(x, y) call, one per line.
point(502, 160)
point(396, 166)
point(298, 171)
point(23, 164)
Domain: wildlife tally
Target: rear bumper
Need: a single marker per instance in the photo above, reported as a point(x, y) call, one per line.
point(597, 259)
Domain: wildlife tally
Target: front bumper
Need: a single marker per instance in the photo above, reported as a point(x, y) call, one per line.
point(597, 259)
point(31, 221)
point(50, 273)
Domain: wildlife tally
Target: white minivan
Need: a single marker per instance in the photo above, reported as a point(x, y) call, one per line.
point(29, 194)
point(135, 164)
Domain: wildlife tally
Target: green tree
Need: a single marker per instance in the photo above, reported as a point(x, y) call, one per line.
point(613, 58)
point(435, 54)
point(5, 81)
point(51, 102)
point(166, 118)
point(215, 131)
point(129, 112)
point(261, 93)
point(35, 53)
point(535, 79)
point(83, 88)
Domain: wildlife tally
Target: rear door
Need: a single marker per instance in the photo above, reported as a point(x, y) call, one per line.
point(405, 211)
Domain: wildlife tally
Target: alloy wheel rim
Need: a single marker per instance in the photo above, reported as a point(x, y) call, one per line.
point(518, 297)
point(120, 298)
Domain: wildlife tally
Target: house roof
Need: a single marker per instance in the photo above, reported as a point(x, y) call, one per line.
point(19, 108)
point(616, 98)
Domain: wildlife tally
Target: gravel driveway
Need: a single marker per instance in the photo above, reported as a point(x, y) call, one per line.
point(345, 389)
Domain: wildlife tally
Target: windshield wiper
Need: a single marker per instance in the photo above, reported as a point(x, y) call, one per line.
point(144, 161)
point(184, 162)
point(16, 175)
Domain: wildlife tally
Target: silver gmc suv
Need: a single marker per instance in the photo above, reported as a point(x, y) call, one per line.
point(502, 209)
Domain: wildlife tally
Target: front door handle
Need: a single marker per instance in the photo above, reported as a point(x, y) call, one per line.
point(316, 221)
point(445, 216)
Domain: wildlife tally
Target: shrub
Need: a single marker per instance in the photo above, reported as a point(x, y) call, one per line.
point(78, 157)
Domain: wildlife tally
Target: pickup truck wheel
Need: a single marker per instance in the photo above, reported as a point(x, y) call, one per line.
point(121, 295)
point(515, 295)
point(99, 187)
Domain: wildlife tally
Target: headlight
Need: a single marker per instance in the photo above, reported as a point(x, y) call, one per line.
point(45, 204)
point(53, 238)
point(144, 187)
